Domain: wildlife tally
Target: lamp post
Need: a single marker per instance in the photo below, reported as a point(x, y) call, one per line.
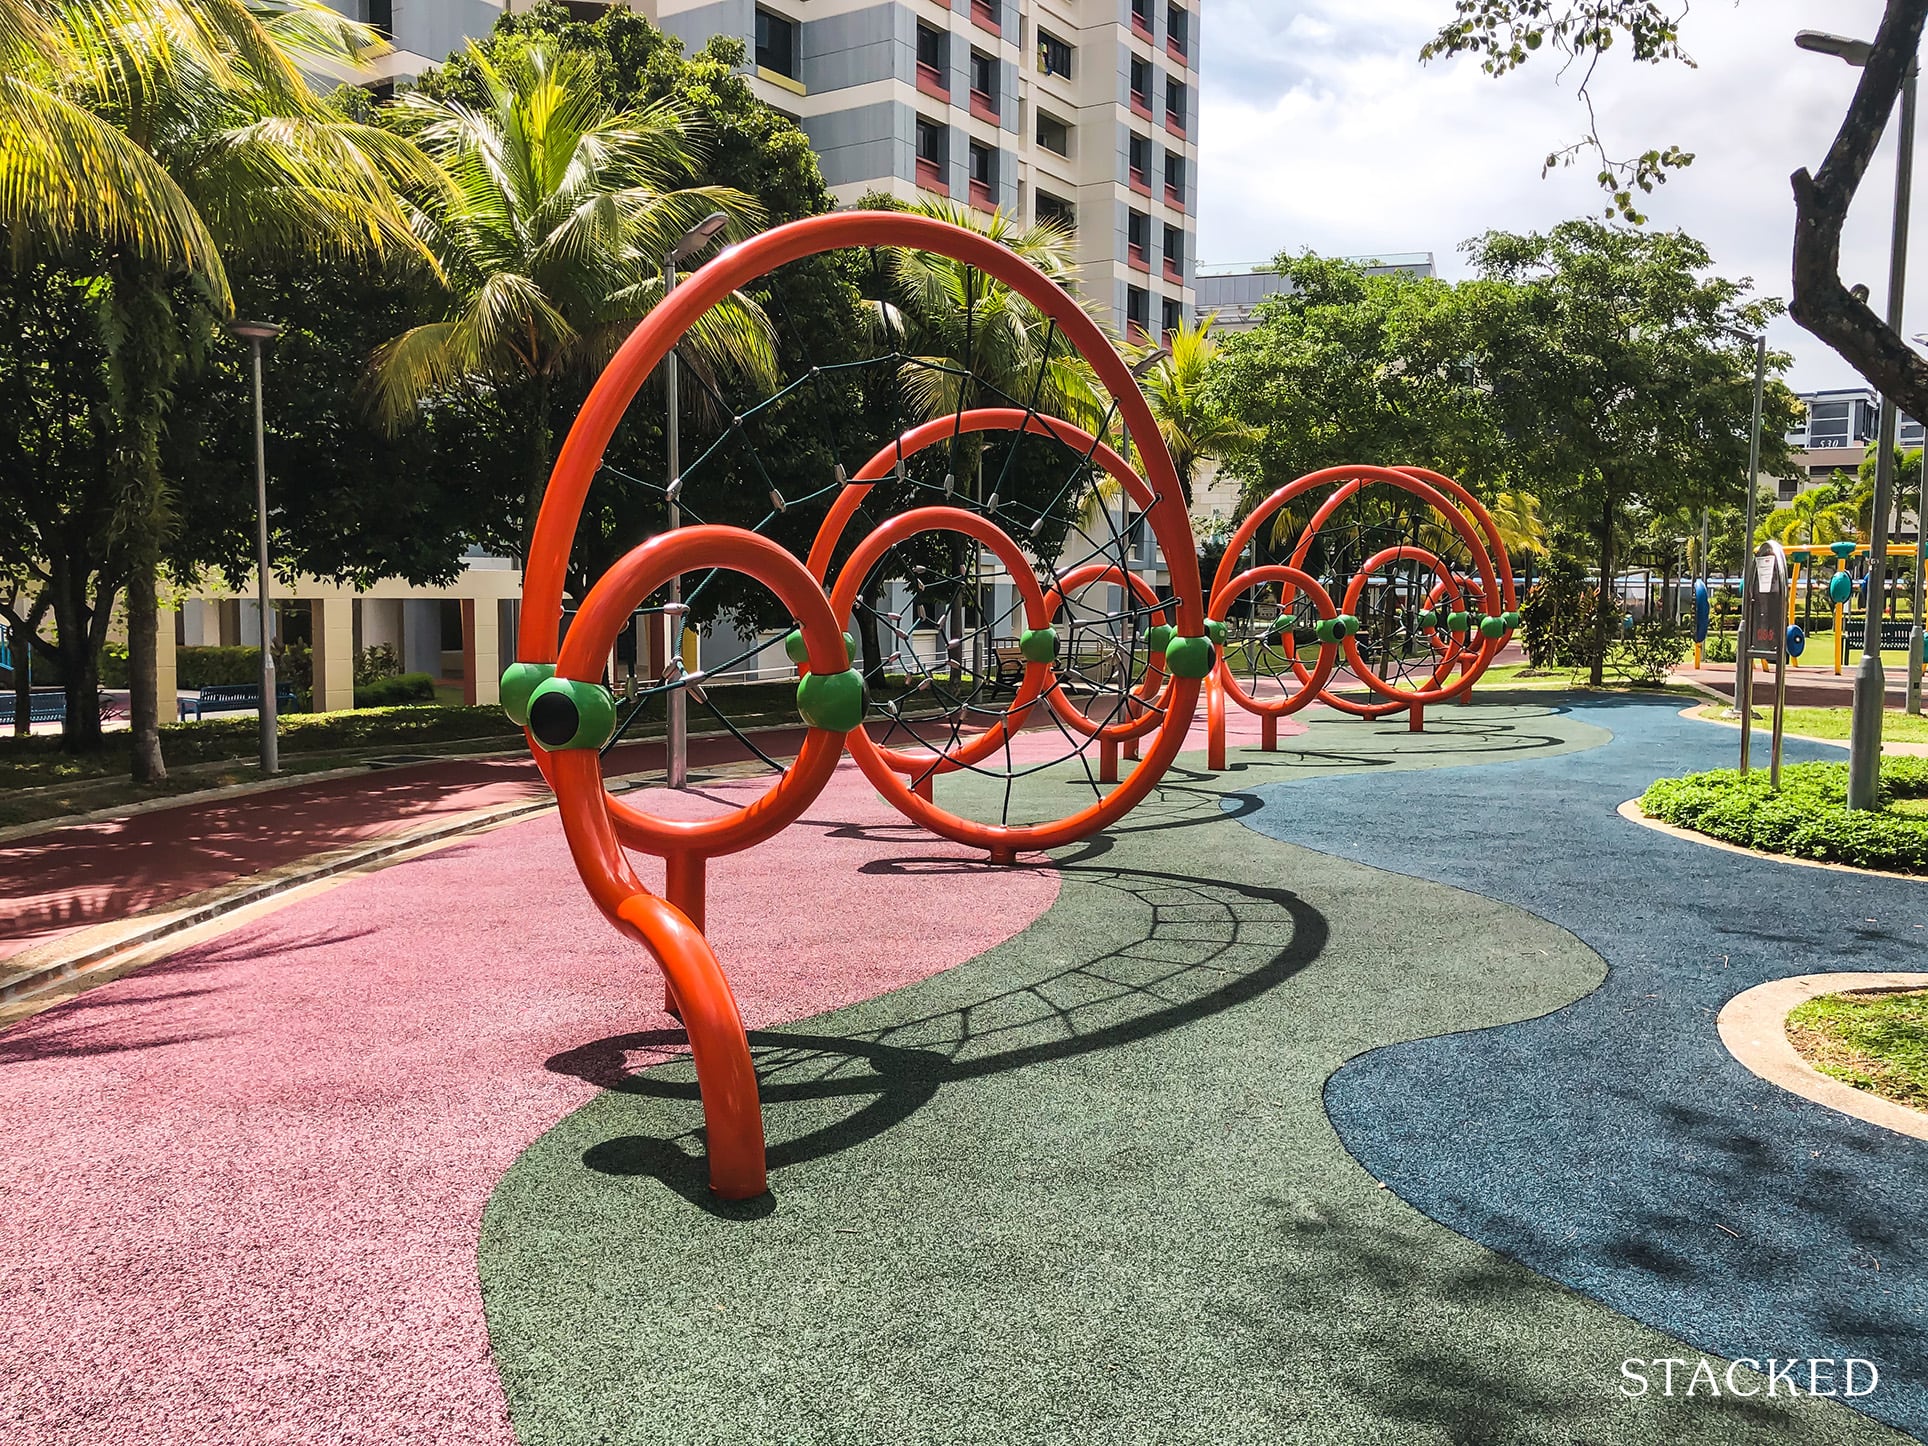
point(1743, 692)
point(1870, 684)
point(676, 728)
point(257, 334)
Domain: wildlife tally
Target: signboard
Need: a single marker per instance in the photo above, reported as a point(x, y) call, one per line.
point(1767, 604)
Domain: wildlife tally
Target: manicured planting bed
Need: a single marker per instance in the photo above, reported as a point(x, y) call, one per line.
point(1809, 818)
point(1875, 1040)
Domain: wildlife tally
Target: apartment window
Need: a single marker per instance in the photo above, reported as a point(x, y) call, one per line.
point(983, 177)
point(1178, 30)
point(933, 155)
point(1054, 135)
point(776, 43)
point(1828, 424)
point(986, 14)
point(1141, 16)
point(1174, 249)
point(1786, 489)
point(1139, 152)
point(381, 15)
point(1056, 211)
point(1908, 432)
point(1054, 56)
point(1169, 314)
point(1175, 105)
point(933, 63)
point(1138, 237)
point(984, 85)
point(1137, 310)
point(1174, 178)
point(1140, 85)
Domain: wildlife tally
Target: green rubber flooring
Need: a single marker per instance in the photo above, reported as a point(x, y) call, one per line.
point(1082, 1188)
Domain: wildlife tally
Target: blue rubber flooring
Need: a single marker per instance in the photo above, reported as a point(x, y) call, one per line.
point(1615, 1145)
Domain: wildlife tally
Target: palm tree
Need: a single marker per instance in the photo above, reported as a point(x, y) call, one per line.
point(1813, 518)
point(1195, 428)
point(969, 340)
point(159, 141)
point(549, 234)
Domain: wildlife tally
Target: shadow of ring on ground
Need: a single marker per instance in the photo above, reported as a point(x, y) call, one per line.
point(1084, 1007)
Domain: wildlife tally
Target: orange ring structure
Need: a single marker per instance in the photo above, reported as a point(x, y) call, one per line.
point(600, 827)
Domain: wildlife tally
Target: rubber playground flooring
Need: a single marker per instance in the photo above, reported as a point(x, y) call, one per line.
point(1083, 1187)
point(307, 1182)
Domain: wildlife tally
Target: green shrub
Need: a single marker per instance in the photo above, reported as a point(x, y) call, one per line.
point(376, 662)
point(393, 692)
point(1649, 653)
point(1809, 818)
point(1721, 647)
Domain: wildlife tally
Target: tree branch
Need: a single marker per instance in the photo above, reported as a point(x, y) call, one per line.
point(1821, 302)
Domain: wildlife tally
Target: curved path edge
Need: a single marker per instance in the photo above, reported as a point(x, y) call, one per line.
point(1753, 1026)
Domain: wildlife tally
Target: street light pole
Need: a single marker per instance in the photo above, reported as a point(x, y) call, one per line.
point(1870, 683)
point(257, 334)
point(676, 729)
point(1742, 691)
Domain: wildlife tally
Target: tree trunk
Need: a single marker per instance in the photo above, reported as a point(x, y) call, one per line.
point(539, 461)
point(79, 663)
point(22, 627)
point(867, 638)
point(1604, 610)
point(143, 647)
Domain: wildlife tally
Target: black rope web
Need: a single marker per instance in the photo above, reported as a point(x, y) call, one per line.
point(949, 659)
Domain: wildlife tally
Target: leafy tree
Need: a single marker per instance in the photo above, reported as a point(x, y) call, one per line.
point(1505, 34)
point(1620, 385)
point(241, 158)
point(549, 237)
point(1345, 366)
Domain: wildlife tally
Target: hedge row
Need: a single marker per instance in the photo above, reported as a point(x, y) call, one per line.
point(392, 692)
point(1809, 818)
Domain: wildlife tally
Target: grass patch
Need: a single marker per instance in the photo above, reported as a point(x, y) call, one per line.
point(1896, 726)
point(1875, 1040)
point(1809, 818)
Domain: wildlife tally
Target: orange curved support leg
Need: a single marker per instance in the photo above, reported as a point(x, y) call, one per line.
point(1214, 725)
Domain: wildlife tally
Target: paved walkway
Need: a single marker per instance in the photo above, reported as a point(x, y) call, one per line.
point(1614, 1144)
point(94, 873)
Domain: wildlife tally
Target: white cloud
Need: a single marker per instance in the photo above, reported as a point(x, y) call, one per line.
point(1321, 130)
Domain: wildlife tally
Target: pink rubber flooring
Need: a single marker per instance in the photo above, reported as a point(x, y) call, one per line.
point(242, 1187)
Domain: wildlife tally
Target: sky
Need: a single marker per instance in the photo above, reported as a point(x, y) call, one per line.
point(1320, 130)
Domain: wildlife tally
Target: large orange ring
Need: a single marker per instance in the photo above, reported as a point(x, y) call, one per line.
point(1156, 678)
point(1037, 676)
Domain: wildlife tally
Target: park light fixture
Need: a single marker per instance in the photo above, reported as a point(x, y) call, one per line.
point(258, 334)
point(1143, 367)
point(697, 237)
point(676, 746)
point(1822, 42)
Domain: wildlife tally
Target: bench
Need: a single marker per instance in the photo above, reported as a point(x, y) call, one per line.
point(1095, 664)
point(44, 705)
point(232, 697)
point(1894, 635)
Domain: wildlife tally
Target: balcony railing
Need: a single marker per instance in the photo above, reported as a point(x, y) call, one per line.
point(930, 80)
point(985, 16)
point(981, 195)
point(984, 105)
point(1137, 258)
point(930, 175)
point(1139, 182)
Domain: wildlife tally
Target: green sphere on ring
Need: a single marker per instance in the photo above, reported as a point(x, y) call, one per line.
point(832, 701)
point(1456, 622)
point(1215, 630)
point(1190, 657)
point(519, 680)
point(1350, 623)
point(1038, 645)
point(567, 714)
point(1160, 637)
point(1511, 618)
point(1492, 627)
point(798, 651)
point(1428, 618)
point(1328, 630)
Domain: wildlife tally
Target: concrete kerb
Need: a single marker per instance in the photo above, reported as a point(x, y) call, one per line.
point(1753, 1026)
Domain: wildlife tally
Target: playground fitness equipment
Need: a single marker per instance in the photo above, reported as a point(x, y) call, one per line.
point(1107, 664)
